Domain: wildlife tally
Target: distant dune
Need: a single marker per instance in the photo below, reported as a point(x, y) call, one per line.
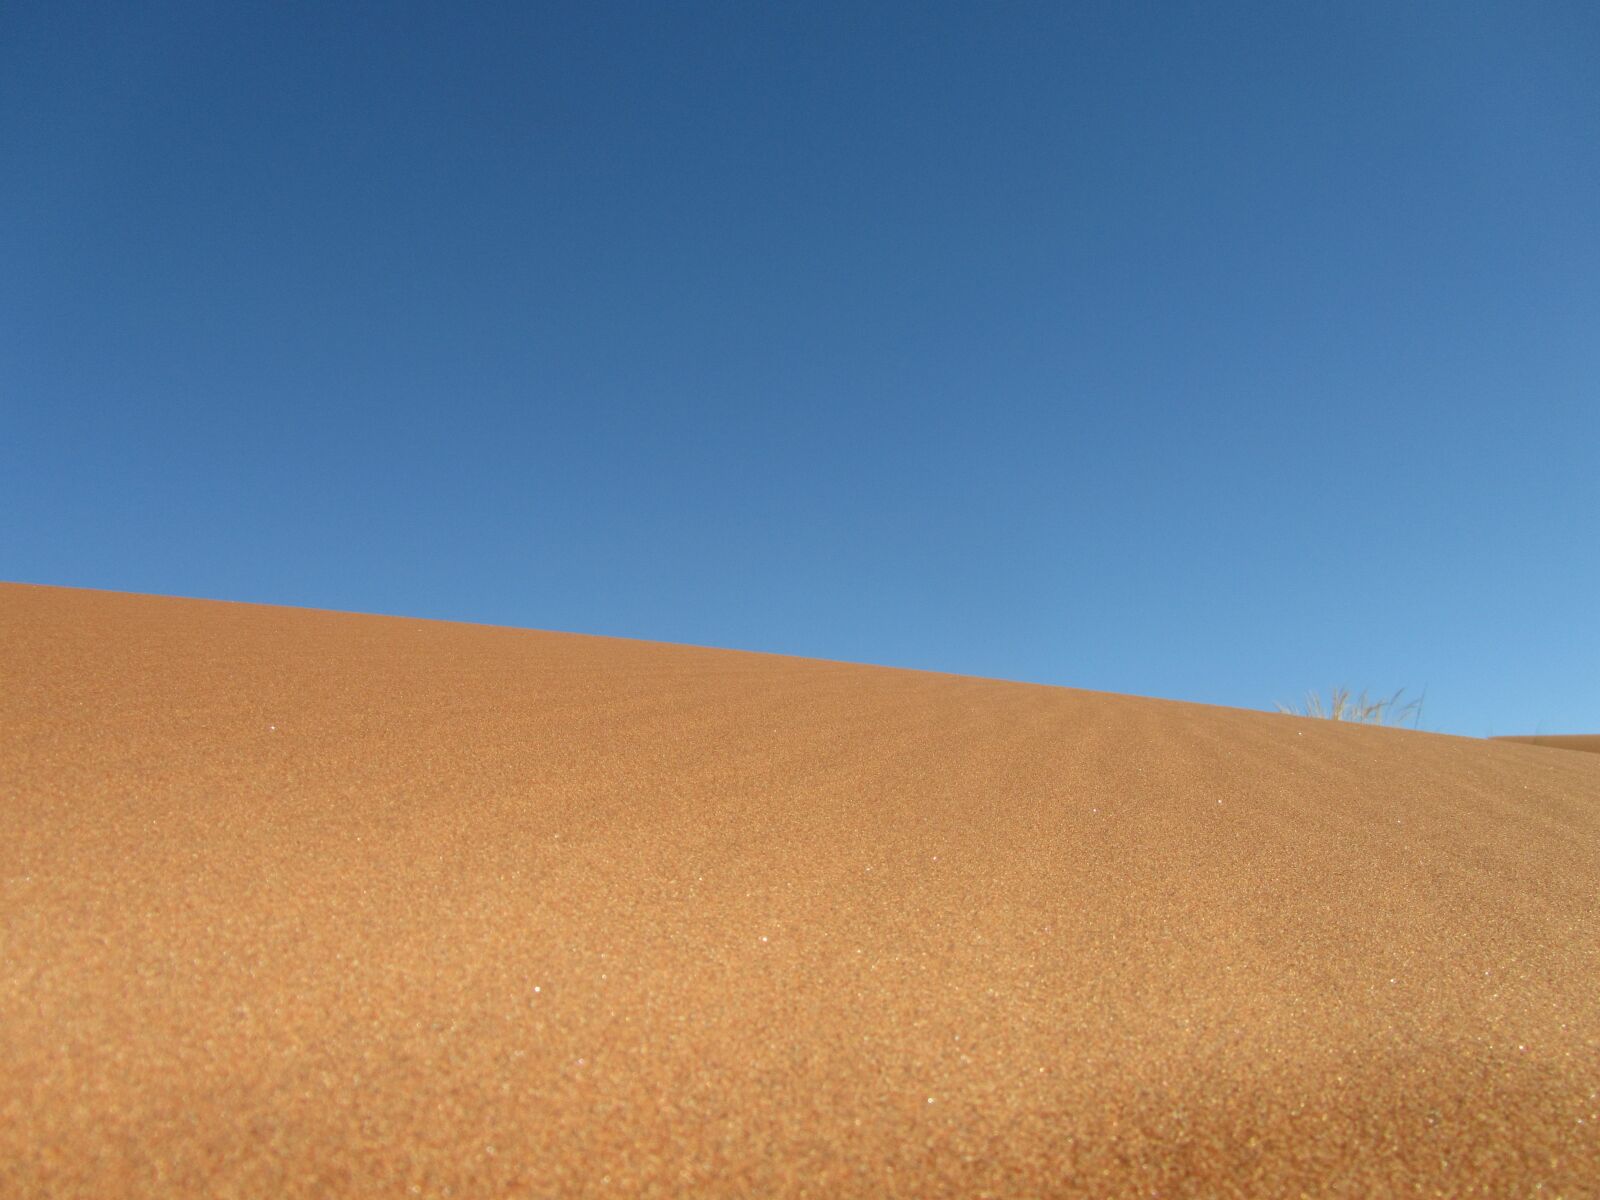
point(300, 903)
point(1560, 741)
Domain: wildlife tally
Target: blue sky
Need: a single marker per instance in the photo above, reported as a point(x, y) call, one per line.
point(1206, 351)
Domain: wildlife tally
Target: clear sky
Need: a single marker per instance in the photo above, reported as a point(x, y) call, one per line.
point(1206, 351)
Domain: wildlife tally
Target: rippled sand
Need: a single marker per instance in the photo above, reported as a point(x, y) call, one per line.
point(300, 903)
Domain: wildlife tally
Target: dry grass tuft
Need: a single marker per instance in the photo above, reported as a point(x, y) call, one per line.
point(1344, 705)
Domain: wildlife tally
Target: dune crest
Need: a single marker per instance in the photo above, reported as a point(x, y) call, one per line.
point(1589, 742)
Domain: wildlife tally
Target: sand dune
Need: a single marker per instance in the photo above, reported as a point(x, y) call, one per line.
point(301, 903)
point(1559, 741)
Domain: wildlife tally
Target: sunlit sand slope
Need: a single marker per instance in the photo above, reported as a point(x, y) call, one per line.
point(307, 904)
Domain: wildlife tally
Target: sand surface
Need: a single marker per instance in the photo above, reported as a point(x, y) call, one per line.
point(301, 903)
point(1560, 741)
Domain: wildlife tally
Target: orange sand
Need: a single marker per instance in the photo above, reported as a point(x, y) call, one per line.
point(309, 904)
